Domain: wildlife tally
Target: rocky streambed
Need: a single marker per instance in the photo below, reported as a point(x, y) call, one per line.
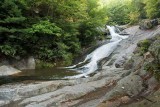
point(127, 79)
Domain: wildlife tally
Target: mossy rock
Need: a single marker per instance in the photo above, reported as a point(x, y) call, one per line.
point(143, 46)
point(154, 66)
point(155, 49)
point(148, 24)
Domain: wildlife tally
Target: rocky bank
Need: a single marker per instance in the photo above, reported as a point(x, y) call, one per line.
point(128, 79)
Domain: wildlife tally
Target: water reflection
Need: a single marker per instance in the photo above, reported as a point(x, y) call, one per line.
point(38, 75)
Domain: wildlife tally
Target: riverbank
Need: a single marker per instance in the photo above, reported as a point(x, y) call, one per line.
point(111, 86)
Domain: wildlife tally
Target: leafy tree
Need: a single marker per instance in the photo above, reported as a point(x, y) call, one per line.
point(117, 12)
point(12, 28)
point(152, 8)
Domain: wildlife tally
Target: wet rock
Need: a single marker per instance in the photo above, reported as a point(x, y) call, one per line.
point(8, 70)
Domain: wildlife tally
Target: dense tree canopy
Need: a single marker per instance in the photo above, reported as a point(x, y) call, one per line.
point(52, 30)
point(48, 29)
point(131, 11)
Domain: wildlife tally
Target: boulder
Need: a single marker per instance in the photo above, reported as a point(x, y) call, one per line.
point(25, 63)
point(8, 70)
point(148, 24)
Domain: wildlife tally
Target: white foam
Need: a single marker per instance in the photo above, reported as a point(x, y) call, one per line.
point(98, 54)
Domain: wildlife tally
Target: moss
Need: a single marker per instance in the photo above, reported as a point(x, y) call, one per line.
point(143, 46)
point(145, 24)
point(154, 48)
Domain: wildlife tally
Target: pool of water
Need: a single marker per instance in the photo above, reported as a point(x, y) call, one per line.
point(38, 75)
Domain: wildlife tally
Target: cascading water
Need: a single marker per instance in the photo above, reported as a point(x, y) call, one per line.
point(98, 54)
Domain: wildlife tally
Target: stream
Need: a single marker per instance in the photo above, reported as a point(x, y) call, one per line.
point(82, 69)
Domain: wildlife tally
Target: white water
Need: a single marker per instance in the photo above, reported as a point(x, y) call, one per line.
point(98, 54)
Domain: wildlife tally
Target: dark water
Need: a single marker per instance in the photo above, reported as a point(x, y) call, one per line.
point(38, 75)
point(48, 73)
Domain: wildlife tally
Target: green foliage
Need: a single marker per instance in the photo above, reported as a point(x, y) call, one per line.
point(88, 28)
point(46, 27)
point(52, 30)
point(7, 50)
point(134, 17)
point(117, 12)
point(152, 8)
point(153, 67)
point(11, 28)
point(131, 11)
point(43, 64)
point(138, 6)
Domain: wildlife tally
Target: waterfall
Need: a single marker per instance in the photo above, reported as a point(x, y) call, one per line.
point(98, 54)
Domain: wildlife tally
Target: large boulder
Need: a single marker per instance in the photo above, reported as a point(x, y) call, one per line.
point(148, 24)
point(8, 70)
point(25, 63)
point(19, 63)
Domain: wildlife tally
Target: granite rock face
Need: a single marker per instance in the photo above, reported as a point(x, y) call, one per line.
point(19, 63)
point(24, 63)
point(109, 87)
point(8, 70)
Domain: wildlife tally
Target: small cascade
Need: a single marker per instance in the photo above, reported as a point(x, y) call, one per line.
point(115, 36)
point(90, 64)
